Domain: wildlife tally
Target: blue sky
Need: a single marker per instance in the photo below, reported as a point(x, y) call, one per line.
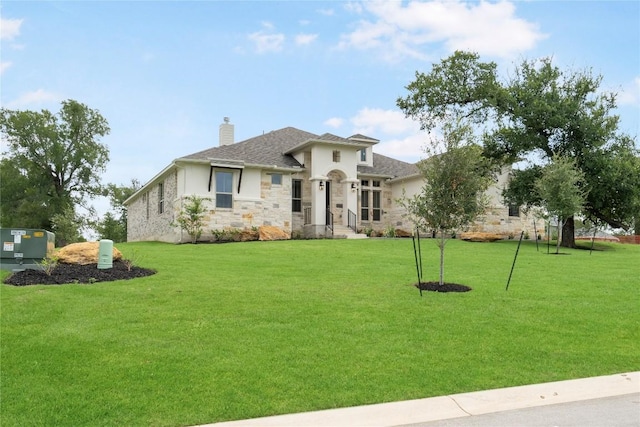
point(164, 74)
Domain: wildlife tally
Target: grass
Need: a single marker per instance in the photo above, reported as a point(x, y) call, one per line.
point(244, 330)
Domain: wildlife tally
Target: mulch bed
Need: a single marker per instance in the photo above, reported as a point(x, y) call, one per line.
point(446, 287)
point(75, 273)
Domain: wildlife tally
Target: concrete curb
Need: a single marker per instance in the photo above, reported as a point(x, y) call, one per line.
point(454, 406)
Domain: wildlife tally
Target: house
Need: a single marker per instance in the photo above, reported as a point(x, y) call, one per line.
point(305, 184)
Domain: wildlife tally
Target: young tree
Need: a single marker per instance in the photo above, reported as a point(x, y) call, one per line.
point(540, 112)
point(191, 216)
point(559, 190)
point(114, 226)
point(111, 228)
point(455, 182)
point(57, 154)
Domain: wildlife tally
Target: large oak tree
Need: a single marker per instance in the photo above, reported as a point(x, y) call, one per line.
point(53, 162)
point(539, 112)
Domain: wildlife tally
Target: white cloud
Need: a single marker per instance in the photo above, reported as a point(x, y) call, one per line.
point(35, 98)
point(326, 12)
point(410, 149)
point(4, 66)
point(400, 137)
point(266, 40)
point(334, 122)
point(409, 29)
point(630, 93)
point(390, 122)
point(9, 28)
point(305, 39)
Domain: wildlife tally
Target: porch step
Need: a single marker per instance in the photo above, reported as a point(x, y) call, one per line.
point(343, 232)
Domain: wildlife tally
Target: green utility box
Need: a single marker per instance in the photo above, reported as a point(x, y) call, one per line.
point(24, 248)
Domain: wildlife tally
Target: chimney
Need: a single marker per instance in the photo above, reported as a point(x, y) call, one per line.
point(226, 133)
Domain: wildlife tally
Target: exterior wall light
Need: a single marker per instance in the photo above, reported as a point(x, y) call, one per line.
point(353, 185)
point(321, 185)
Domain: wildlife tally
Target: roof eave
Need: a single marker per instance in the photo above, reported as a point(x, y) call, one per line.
point(310, 142)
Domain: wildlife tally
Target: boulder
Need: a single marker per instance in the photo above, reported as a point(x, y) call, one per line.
point(481, 237)
point(248, 235)
point(269, 232)
point(83, 253)
point(403, 233)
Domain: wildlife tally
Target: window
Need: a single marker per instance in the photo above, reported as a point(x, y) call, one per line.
point(363, 155)
point(377, 205)
point(514, 210)
point(160, 198)
point(376, 183)
point(145, 200)
point(365, 183)
point(364, 205)
point(336, 156)
point(224, 189)
point(276, 179)
point(296, 195)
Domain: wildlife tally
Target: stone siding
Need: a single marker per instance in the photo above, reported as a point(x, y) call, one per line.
point(145, 222)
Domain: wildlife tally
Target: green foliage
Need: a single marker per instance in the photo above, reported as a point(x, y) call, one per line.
point(205, 341)
point(540, 112)
point(67, 227)
point(459, 88)
point(53, 162)
point(453, 194)
point(114, 227)
point(111, 228)
point(390, 231)
point(190, 218)
point(559, 189)
point(48, 264)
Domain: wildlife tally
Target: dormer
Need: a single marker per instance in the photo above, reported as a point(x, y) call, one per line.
point(365, 155)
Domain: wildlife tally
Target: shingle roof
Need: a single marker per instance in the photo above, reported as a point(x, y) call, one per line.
point(269, 149)
point(386, 166)
point(266, 149)
point(363, 137)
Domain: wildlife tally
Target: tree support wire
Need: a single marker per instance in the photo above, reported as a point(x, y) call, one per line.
point(514, 259)
point(418, 260)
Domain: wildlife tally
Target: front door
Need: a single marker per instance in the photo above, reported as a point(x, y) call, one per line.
point(327, 195)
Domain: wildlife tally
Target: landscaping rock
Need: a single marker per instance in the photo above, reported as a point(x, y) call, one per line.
point(249, 235)
point(481, 237)
point(402, 233)
point(269, 232)
point(83, 253)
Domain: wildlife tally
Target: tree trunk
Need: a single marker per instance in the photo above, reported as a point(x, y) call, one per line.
point(441, 244)
point(568, 236)
point(636, 229)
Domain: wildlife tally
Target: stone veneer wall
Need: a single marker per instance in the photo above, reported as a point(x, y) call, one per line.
point(496, 220)
point(157, 226)
point(273, 209)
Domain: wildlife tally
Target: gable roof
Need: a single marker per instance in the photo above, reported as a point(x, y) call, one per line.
point(273, 149)
point(265, 149)
point(388, 167)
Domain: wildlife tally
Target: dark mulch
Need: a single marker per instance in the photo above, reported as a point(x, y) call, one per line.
point(446, 287)
point(74, 273)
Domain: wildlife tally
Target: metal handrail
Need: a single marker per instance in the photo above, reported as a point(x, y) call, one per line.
point(352, 220)
point(329, 220)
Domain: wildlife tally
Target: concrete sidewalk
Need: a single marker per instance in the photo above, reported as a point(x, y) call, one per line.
point(455, 406)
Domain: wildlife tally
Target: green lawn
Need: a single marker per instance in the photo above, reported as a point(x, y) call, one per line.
point(243, 330)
